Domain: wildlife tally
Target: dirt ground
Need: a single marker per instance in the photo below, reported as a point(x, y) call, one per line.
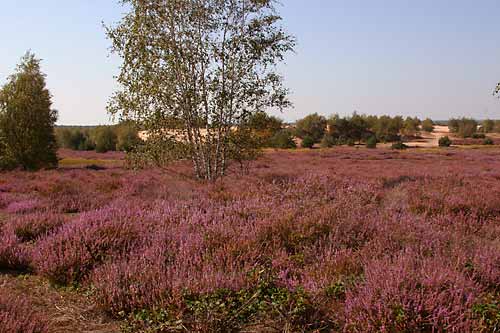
point(69, 311)
point(430, 139)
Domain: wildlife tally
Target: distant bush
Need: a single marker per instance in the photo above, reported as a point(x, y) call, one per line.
point(371, 142)
point(105, 139)
point(308, 142)
point(399, 145)
point(478, 136)
point(312, 126)
point(127, 137)
point(328, 141)
point(282, 140)
point(444, 141)
point(75, 139)
point(488, 141)
point(427, 125)
point(464, 127)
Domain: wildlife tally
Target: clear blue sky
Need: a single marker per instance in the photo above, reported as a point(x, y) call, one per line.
point(428, 58)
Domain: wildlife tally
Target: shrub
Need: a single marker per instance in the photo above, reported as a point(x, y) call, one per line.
point(32, 226)
point(444, 141)
point(282, 140)
point(75, 250)
point(399, 145)
point(18, 316)
point(12, 254)
point(307, 142)
point(411, 294)
point(105, 139)
point(428, 125)
point(478, 136)
point(488, 141)
point(371, 142)
point(312, 126)
point(328, 141)
point(127, 137)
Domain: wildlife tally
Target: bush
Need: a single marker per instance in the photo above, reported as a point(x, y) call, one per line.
point(399, 145)
point(127, 137)
point(307, 142)
point(371, 142)
point(105, 139)
point(444, 141)
point(478, 136)
point(328, 141)
point(428, 125)
point(282, 140)
point(312, 126)
point(488, 142)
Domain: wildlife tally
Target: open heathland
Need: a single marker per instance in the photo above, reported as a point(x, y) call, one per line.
point(343, 239)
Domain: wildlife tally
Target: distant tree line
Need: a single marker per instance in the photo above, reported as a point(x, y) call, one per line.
point(121, 137)
point(471, 128)
point(358, 129)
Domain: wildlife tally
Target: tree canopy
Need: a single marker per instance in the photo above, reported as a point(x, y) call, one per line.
point(27, 138)
point(201, 67)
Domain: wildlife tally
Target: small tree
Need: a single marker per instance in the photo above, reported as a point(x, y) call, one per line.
point(194, 71)
point(371, 142)
point(488, 126)
point(428, 125)
point(27, 137)
point(313, 126)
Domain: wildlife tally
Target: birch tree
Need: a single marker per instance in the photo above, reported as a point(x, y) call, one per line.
point(193, 71)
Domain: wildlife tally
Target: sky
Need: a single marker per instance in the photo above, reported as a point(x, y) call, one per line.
point(426, 58)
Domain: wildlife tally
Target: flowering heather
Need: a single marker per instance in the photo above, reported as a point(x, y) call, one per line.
point(347, 239)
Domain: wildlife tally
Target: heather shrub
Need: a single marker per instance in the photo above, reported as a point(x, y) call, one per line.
point(32, 226)
point(69, 255)
point(13, 255)
point(444, 141)
point(18, 316)
point(411, 294)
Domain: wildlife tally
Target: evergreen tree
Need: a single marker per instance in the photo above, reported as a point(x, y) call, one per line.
point(26, 119)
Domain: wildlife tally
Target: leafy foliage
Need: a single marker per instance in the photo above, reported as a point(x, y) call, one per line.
point(311, 127)
point(27, 121)
point(308, 142)
point(428, 125)
point(195, 70)
point(464, 127)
